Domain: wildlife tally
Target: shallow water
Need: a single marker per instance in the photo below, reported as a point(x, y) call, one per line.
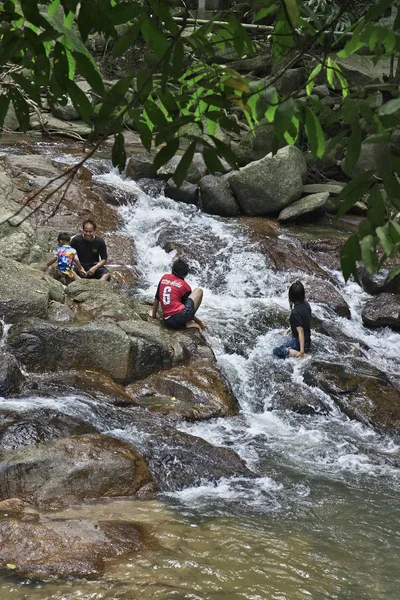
point(321, 520)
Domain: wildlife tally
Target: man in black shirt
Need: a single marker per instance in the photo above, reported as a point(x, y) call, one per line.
point(92, 252)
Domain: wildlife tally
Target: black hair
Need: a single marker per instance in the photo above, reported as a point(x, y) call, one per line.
point(297, 293)
point(89, 222)
point(64, 237)
point(180, 268)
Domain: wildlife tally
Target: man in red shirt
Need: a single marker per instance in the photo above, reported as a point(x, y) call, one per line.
point(178, 302)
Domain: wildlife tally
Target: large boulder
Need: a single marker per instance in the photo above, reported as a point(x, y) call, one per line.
point(124, 353)
point(194, 392)
point(23, 291)
point(268, 185)
point(373, 157)
point(382, 311)
point(140, 166)
point(71, 469)
point(325, 293)
point(193, 174)
point(187, 192)
point(308, 208)
point(378, 283)
point(256, 144)
point(41, 547)
point(11, 378)
point(363, 70)
point(362, 391)
point(217, 197)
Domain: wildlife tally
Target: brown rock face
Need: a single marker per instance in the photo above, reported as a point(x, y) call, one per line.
point(41, 548)
point(72, 469)
point(360, 390)
point(193, 392)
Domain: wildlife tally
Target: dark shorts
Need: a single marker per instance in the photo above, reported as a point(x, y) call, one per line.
point(179, 320)
point(99, 273)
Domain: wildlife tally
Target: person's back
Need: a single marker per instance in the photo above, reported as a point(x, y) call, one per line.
point(301, 317)
point(65, 259)
point(178, 302)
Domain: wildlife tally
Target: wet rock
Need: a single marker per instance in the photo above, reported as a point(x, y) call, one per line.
point(178, 460)
point(72, 469)
point(361, 391)
point(40, 547)
point(76, 129)
point(193, 392)
point(271, 183)
point(193, 174)
point(140, 166)
point(11, 378)
point(187, 192)
point(307, 208)
point(24, 428)
point(298, 398)
point(217, 197)
point(382, 311)
point(378, 283)
point(325, 251)
point(323, 292)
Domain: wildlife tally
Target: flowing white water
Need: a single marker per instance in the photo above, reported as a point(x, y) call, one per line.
point(321, 519)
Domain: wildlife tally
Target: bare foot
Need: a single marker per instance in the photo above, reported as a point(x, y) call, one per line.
point(192, 325)
point(296, 354)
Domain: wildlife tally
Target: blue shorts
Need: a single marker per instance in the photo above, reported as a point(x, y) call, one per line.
point(282, 351)
point(179, 320)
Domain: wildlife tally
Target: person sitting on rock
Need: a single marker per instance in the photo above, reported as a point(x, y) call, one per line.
point(299, 342)
point(92, 252)
point(66, 258)
point(178, 302)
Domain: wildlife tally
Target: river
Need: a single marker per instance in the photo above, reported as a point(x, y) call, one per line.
point(321, 520)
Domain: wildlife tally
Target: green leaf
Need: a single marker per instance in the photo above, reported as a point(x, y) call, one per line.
point(81, 102)
point(90, 72)
point(353, 191)
point(226, 152)
point(61, 66)
point(354, 42)
point(349, 255)
point(392, 188)
point(154, 37)
point(123, 12)
point(216, 100)
point(385, 239)
point(390, 107)
point(144, 84)
point(21, 109)
point(166, 153)
point(118, 154)
point(154, 113)
point(394, 229)
point(376, 207)
point(28, 86)
point(283, 116)
point(126, 41)
point(272, 98)
point(393, 274)
point(368, 254)
point(212, 161)
point(4, 103)
point(293, 12)
point(353, 147)
point(264, 12)
point(377, 10)
point(311, 78)
point(314, 133)
point(184, 164)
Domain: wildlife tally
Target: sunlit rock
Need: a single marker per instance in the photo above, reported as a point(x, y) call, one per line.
point(67, 470)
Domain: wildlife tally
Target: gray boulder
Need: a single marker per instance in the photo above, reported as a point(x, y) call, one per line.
point(140, 166)
point(187, 192)
point(362, 70)
point(382, 311)
point(193, 174)
point(217, 197)
point(373, 157)
point(307, 208)
point(256, 144)
point(65, 112)
point(268, 185)
point(325, 293)
point(320, 188)
point(378, 283)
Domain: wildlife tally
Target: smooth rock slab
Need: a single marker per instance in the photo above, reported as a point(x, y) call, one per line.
point(382, 311)
point(39, 547)
point(308, 207)
point(68, 470)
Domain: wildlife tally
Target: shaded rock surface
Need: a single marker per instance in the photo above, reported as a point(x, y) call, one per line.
point(187, 192)
point(11, 378)
point(382, 311)
point(325, 293)
point(307, 208)
point(361, 391)
point(217, 197)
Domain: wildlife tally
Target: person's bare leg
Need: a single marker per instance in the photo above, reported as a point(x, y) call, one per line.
point(192, 325)
point(197, 297)
point(105, 277)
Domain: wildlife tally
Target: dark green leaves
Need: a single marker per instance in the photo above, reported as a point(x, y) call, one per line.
point(349, 256)
point(184, 164)
point(21, 109)
point(353, 191)
point(314, 133)
point(4, 103)
point(166, 153)
point(80, 102)
point(118, 154)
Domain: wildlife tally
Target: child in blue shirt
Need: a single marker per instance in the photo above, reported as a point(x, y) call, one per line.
point(66, 257)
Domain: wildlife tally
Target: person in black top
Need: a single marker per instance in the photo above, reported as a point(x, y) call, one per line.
point(300, 317)
point(92, 252)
